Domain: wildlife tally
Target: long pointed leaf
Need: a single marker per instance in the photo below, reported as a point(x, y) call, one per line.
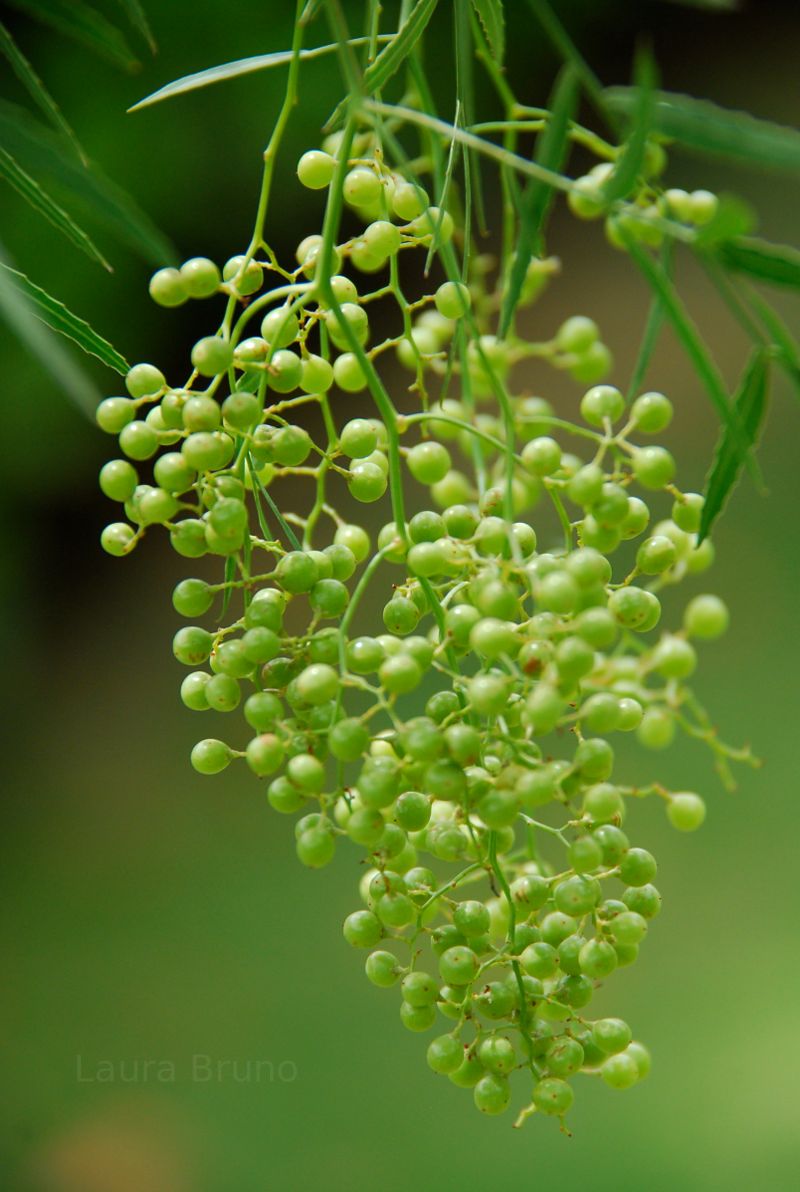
point(700, 124)
point(36, 88)
point(629, 166)
point(750, 403)
point(138, 19)
point(778, 263)
point(289, 533)
point(42, 153)
point(692, 343)
point(788, 348)
point(492, 20)
point(569, 52)
point(551, 150)
point(242, 66)
point(42, 345)
point(83, 24)
point(32, 192)
point(61, 319)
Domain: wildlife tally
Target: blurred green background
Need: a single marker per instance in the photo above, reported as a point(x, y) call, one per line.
point(151, 914)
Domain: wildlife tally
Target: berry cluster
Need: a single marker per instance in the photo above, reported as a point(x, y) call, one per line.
point(501, 887)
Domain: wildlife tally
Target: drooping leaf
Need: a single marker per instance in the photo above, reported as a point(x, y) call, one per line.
point(788, 349)
point(569, 53)
point(777, 263)
point(138, 19)
point(551, 150)
point(60, 318)
point(692, 343)
point(703, 125)
point(35, 87)
point(493, 22)
point(629, 166)
point(31, 191)
point(652, 327)
point(42, 154)
point(260, 488)
point(84, 24)
point(750, 403)
point(42, 345)
point(243, 66)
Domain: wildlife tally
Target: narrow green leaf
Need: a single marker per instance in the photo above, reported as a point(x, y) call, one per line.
point(493, 22)
point(36, 89)
point(750, 403)
point(655, 321)
point(623, 178)
point(138, 19)
point(391, 57)
point(42, 345)
point(244, 66)
point(552, 146)
point(83, 24)
point(569, 52)
point(59, 318)
point(788, 349)
point(691, 341)
point(32, 192)
point(43, 154)
point(778, 263)
point(465, 88)
point(229, 576)
point(287, 530)
point(700, 124)
point(716, 5)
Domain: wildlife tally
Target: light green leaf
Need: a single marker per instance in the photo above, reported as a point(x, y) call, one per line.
point(629, 165)
point(83, 24)
point(750, 403)
point(36, 88)
point(243, 66)
point(59, 318)
point(700, 124)
point(42, 345)
point(32, 192)
point(551, 150)
point(778, 263)
point(490, 14)
point(138, 19)
point(43, 154)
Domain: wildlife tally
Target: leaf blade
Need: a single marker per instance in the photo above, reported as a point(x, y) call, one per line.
point(776, 263)
point(41, 152)
point(569, 52)
point(240, 67)
point(493, 22)
point(629, 165)
point(48, 208)
point(138, 19)
point(36, 89)
point(702, 125)
point(60, 318)
point(551, 149)
point(750, 403)
point(84, 24)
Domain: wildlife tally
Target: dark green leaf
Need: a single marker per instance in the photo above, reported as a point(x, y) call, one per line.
point(59, 318)
point(36, 88)
point(138, 18)
point(83, 24)
point(700, 124)
point(42, 345)
point(32, 192)
point(655, 320)
point(778, 263)
point(717, 5)
point(551, 150)
point(242, 66)
point(490, 14)
point(691, 340)
point(732, 218)
point(623, 178)
point(750, 403)
point(43, 154)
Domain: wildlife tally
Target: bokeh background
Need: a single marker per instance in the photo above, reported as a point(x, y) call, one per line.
point(154, 915)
